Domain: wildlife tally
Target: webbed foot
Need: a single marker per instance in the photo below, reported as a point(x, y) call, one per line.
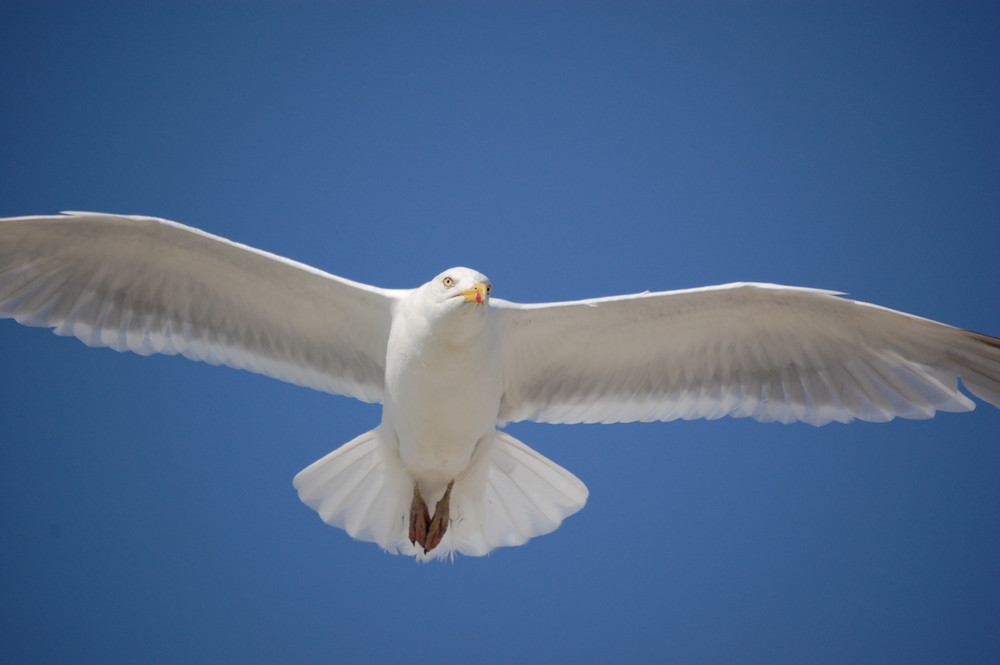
point(419, 518)
point(439, 523)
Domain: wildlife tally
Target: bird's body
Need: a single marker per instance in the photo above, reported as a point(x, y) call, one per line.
point(442, 391)
point(451, 364)
point(443, 385)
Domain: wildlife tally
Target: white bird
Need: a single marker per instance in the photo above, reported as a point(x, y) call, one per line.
point(451, 363)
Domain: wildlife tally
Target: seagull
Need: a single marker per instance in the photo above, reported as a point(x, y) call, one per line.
point(451, 364)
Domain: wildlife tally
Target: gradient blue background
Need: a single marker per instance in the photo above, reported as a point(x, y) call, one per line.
point(567, 151)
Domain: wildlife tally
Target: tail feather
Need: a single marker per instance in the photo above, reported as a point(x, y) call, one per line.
point(510, 494)
point(359, 488)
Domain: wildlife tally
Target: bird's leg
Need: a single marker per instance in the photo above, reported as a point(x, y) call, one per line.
point(419, 518)
point(439, 523)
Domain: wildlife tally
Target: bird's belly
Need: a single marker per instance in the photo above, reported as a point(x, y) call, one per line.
point(433, 445)
point(439, 416)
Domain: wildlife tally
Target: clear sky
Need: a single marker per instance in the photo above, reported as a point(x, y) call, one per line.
point(566, 150)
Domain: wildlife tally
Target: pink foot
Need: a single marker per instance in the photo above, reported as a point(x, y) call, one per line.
point(439, 523)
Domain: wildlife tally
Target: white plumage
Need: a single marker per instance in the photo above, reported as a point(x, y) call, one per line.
point(450, 364)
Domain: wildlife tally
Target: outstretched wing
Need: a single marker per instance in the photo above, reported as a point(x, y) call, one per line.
point(154, 286)
point(773, 353)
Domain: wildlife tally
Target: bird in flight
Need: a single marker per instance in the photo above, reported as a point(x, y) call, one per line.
point(451, 364)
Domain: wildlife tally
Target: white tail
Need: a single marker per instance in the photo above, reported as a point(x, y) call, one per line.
point(509, 494)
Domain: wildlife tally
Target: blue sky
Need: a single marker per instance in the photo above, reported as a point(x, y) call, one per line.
point(567, 150)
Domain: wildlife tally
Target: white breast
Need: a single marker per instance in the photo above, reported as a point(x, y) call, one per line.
point(443, 386)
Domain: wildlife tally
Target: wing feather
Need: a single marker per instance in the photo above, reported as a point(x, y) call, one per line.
point(154, 286)
point(768, 352)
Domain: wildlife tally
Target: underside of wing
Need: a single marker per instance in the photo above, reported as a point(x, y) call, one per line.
point(153, 286)
point(763, 351)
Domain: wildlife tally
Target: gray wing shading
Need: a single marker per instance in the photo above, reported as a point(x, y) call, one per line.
point(772, 353)
point(154, 286)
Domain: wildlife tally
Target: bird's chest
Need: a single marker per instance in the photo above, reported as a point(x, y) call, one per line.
point(441, 398)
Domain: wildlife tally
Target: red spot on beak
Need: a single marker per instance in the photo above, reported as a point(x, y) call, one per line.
point(479, 297)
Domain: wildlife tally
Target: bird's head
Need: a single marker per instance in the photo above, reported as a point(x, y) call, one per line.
point(455, 303)
point(460, 286)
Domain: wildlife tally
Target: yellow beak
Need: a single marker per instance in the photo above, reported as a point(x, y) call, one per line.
point(477, 293)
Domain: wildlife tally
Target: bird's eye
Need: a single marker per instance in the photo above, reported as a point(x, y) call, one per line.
point(489, 289)
point(448, 282)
